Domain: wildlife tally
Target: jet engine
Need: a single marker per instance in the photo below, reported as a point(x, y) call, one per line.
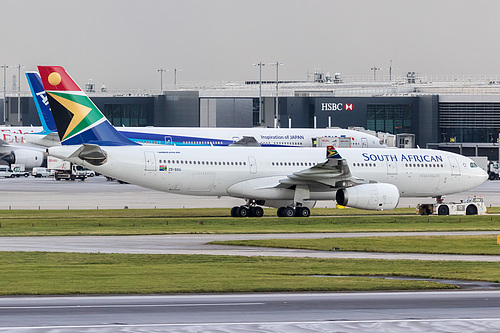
point(29, 157)
point(369, 196)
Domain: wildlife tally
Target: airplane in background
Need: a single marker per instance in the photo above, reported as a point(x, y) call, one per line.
point(202, 136)
point(14, 150)
point(290, 179)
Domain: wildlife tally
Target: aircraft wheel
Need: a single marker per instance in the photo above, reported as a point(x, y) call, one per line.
point(243, 211)
point(288, 212)
point(256, 211)
point(302, 212)
point(443, 210)
point(234, 211)
point(471, 210)
point(280, 212)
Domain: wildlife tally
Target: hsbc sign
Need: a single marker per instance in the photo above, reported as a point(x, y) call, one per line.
point(336, 106)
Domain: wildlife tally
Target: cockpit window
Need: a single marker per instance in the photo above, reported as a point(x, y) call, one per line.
point(473, 165)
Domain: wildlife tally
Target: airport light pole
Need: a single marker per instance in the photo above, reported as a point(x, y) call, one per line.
point(276, 114)
point(19, 66)
point(375, 69)
point(4, 93)
point(161, 70)
point(175, 76)
point(260, 64)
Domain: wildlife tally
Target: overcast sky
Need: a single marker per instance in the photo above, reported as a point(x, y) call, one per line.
point(123, 43)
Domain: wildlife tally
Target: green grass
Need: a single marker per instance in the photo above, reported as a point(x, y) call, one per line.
point(37, 273)
point(170, 221)
point(479, 245)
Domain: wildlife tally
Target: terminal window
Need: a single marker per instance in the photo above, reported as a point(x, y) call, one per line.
point(469, 122)
point(391, 118)
point(133, 115)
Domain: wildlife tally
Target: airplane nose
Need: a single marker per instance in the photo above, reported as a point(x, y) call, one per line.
point(483, 177)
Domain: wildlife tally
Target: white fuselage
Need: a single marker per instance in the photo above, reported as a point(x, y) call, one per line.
point(212, 136)
point(249, 172)
point(16, 134)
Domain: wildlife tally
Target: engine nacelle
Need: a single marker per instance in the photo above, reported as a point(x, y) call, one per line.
point(31, 158)
point(369, 196)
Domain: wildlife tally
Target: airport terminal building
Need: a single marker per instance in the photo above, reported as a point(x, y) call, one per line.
point(459, 117)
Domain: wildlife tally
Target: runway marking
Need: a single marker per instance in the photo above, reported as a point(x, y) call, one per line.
point(259, 323)
point(122, 306)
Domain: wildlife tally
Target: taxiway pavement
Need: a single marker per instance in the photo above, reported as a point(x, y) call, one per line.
point(96, 192)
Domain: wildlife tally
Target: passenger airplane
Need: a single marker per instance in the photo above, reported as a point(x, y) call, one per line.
point(289, 178)
point(13, 148)
point(196, 136)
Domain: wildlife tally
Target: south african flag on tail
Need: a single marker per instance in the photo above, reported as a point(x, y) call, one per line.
point(77, 118)
point(331, 152)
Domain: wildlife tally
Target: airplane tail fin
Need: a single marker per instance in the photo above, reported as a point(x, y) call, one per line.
point(76, 117)
point(331, 152)
point(41, 102)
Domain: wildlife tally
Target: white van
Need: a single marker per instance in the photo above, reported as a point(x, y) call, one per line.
point(40, 172)
point(6, 172)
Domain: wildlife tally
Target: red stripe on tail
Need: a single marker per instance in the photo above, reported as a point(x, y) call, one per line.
point(55, 78)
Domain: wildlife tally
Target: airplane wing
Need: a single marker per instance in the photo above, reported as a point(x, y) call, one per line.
point(332, 173)
point(3, 143)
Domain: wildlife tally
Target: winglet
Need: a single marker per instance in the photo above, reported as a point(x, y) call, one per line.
point(331, 152)
point(77, 119)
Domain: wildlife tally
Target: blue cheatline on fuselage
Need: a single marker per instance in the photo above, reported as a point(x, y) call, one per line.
point(178, 140)
point(102, 134)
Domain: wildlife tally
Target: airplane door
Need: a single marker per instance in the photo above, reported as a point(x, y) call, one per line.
point(236, 138)
point(455, 168)
point(253, 164)
point(364, 142)
point(168, 140)
point(150, 161)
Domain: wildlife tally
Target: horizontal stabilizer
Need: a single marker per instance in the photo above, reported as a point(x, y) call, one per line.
point(92, 154)
point(52, 136)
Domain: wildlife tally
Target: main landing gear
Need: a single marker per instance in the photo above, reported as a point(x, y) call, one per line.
point(291, 212)
point(249, 210)
point(257, 211)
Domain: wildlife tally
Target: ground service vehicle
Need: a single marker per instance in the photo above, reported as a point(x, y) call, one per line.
point(6, 172)
point(65, 170)
point(470, 206)
point(19, 170)
point(40, 172)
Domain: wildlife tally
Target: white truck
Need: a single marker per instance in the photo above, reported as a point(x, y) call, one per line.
point(65, 170)
point(491, 167)
point(19, 170)
point(336, 141)
point(471, 206)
